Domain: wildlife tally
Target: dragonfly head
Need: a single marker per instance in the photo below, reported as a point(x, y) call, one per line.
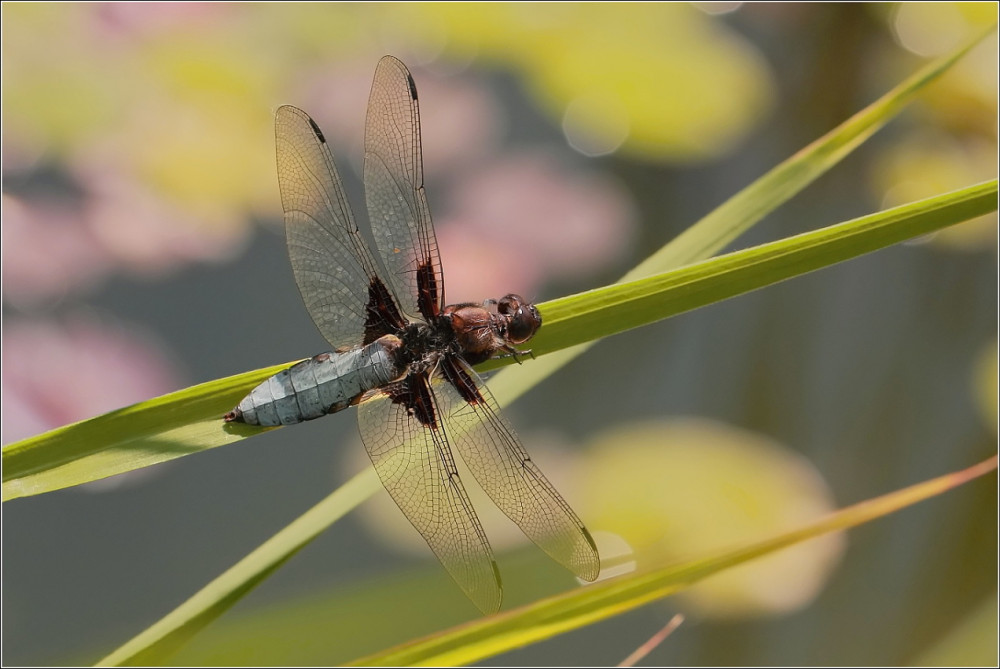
point(523, 319)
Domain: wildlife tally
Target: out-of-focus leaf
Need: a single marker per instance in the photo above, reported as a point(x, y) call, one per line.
point(985, 385)
point(668, 83)
point(972, 642)
point(935, 163)
point(640, 478)
point(493, 635)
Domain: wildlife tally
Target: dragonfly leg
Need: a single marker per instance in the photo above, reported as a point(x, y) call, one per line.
point(512, 352)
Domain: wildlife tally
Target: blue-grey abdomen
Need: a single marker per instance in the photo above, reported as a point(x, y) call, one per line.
point(326, 383)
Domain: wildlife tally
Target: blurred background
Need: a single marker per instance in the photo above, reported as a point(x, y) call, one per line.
point(563, 144)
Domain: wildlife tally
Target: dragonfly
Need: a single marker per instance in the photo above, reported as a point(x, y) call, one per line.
point(400, 353)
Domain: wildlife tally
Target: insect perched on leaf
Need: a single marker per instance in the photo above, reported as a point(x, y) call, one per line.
point(401, 354)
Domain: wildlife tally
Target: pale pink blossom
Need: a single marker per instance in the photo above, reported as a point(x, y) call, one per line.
point(55, 373)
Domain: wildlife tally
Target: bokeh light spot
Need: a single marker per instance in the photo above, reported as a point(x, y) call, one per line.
point(595, 125)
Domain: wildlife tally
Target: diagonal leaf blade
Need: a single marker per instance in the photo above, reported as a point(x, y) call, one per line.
point(144, 434)
point(491, 636)
point(590, 316)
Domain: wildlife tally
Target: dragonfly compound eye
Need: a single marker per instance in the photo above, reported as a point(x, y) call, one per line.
point(524, 323)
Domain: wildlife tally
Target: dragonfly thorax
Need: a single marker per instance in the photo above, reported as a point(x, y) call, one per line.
point(421, 344)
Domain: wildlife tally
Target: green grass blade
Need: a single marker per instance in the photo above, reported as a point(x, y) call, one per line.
point(147, 433)
point(496, 634)
point(743, 210)
point(190, 420)
point(589, 316)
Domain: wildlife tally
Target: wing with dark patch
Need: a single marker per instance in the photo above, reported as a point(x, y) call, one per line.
point(506, 472)
point(402, 434)
point(333, 266)
point(394, 190)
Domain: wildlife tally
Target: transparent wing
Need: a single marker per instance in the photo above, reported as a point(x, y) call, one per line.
point(506, 472)
point(416, 466)
point(394, 191)
point(333, 267)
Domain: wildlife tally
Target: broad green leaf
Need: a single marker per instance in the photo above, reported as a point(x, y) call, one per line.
point(600, 313)
point(496, 634)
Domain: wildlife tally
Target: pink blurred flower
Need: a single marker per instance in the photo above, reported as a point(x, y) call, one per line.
point(58, 373)
point(47, 251)
point(54, 246)
point(141, 19)
point(148, 235)
point(525, 217)
point(475, 270)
